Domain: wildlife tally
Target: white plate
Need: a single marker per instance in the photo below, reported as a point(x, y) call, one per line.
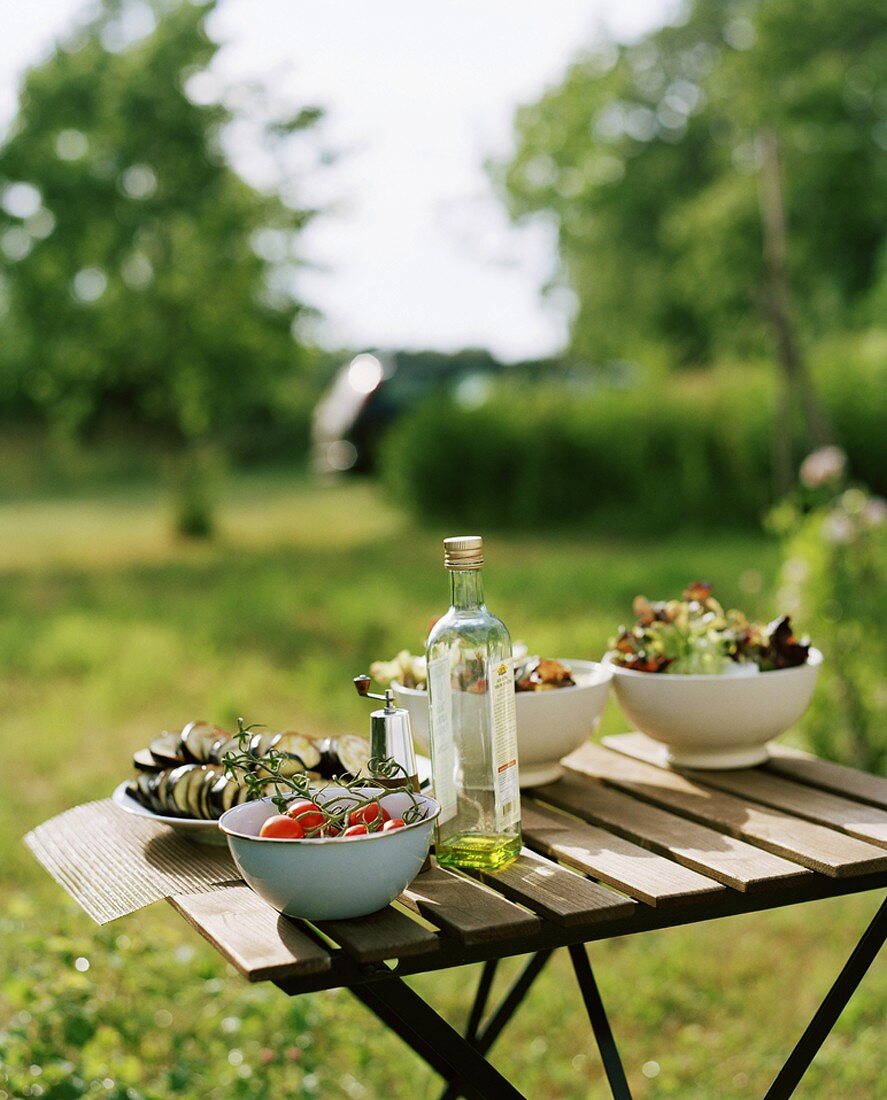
point(208, 832)
point(204, 832)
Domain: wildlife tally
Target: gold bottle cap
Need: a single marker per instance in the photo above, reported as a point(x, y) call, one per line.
point(464, 552)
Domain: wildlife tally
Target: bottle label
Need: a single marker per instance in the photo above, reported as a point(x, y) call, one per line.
point(443, 745)
point(500, 677)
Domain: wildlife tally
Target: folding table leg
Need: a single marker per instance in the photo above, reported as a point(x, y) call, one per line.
point(831, 1008)
point(519, 988)
point(599, 1023)
point(480, 999)
point(432, 1038)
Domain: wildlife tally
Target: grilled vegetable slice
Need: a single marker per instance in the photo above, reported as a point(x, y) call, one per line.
point(176, 790)
point(353, 753)
point(345, 755)
point(145, 761)
point(166, 750)
point(260, 743)
point(293, 744)
point(224, 794)
point(161, 785)
point(198, 740)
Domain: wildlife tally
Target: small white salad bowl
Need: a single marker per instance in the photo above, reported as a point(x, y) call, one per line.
point(550, 724)
point(329, 878)
point(716, 721)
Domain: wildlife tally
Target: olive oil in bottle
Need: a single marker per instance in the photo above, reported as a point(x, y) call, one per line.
point(473, 730)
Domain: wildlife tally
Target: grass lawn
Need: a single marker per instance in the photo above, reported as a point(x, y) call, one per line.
point(110, 631)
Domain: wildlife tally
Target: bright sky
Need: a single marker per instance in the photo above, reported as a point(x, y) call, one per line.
point(415, 250)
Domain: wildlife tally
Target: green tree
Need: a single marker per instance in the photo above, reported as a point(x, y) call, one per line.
point(144, 281)
point(647, 157)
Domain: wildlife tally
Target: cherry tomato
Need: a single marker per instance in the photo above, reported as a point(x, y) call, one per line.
point(308, 814)
point(329, 830)
point(356, 830)
point(283, 827)
point(368, 814)
point(392, 823)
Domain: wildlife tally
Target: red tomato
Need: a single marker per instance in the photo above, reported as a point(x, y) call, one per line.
point(356, 830)
point(282, 826)
point(308, 814)
point(392, 823)
point(368, 814)
point(329, 830)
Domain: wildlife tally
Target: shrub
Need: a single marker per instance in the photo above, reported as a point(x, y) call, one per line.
point(696, 450)
point(664, 457)
point(833, 584)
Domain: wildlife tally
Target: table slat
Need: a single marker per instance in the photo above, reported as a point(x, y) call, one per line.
point(862, 821)
point(865, 822)
point(814, 846)
point(633, 870)
point(465, 909)
point(556, 893)
point(801, 766)
point(724, 858)
point(254, 938)
point(388, 934)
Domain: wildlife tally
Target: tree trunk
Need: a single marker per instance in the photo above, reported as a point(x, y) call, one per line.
point(796, 386)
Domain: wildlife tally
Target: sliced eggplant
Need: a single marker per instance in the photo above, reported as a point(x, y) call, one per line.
point(176, 790)
point(145, 761)
point(224, 794)
point(260, 743)
point(198, 740)
point(166, 750)
point(211, 773)
point(347, 755)
point(294, 746)
point(160, 789)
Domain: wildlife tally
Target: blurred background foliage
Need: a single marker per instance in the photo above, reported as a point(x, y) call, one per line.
point(647, 157)
point(152, 337)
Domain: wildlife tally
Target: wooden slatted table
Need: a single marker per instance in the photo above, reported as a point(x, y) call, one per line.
point(619, 845)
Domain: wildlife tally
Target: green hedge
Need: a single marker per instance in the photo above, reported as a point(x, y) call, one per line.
point(691, 451)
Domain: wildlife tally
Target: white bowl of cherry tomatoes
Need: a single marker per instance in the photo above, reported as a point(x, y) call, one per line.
point(340, 853)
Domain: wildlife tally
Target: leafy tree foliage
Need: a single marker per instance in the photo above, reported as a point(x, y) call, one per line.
point(647, 158)
point(143, 280)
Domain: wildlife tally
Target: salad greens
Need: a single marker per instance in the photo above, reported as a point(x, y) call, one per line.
point(695, 635)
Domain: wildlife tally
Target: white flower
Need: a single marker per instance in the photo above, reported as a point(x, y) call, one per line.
point(875, 512)
point(838, 529)
point(824, 466)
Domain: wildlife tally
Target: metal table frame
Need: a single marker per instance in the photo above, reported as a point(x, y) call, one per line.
point(461, 1061)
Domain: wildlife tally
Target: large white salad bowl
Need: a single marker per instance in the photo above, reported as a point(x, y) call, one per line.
point(716, 721)
point(550, 724)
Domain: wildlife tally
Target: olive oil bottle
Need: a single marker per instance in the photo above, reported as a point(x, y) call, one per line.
point(473, 730)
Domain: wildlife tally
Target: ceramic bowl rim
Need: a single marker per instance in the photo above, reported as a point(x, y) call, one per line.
point(430, 803)
point(814, 660)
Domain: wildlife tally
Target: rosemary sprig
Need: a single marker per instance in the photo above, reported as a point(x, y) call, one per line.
point(262, 775)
